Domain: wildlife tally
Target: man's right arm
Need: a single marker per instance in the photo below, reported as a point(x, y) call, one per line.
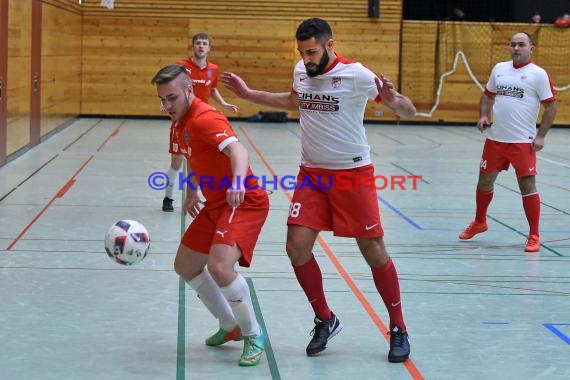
point(485, 105)
point(193, 203)
point(282, 100)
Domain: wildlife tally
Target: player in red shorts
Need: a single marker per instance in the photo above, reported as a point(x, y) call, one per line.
point(514, 92)
point(204, 75)
point(330, 92)
point(227, 225)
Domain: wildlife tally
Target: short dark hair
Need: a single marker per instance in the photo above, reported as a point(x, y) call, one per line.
point(168, 73)
point(313, 27)
point(202, 36)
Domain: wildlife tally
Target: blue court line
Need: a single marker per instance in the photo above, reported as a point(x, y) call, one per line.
point(557, 332)
point(399, 213)
point(273, 367)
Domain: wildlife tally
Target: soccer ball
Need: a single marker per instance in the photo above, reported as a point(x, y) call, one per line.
point(127, 242)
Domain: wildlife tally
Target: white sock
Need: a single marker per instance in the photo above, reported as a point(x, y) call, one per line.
point(171, 173)
point(237, 294)
point(209, 292)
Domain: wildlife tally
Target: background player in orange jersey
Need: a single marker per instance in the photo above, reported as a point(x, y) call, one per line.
point(226, 226)
point(204, 77)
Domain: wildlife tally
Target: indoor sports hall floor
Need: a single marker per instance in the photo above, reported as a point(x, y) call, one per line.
point(480, 309)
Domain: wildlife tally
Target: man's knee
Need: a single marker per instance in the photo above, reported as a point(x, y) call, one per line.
point(185, 266)
point(220, 272)
point(180, 268)
point(291, 247)
point(527, 185)
point(298, 253)
point(487, 181)
point(374, 251)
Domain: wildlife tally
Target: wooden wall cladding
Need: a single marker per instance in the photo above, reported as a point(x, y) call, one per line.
point(264, 53)
point(72, 6)
point(61, 65)
point(252, 38)
point(120, 55)
point(419, 57)
point(19, 66)
point(429, 50)
point(253, 9)
point(122, 49)
point(261, 51)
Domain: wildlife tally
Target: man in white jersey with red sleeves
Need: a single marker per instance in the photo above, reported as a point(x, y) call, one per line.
point(330, 93)
point(514, 92)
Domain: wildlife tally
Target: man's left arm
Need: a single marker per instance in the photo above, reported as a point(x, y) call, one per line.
point(396, 102)
point(239, 159)
point(545, 123)
point(218, 98)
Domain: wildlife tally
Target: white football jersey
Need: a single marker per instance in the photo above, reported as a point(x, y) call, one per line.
point(518, 93)
point(331, 107)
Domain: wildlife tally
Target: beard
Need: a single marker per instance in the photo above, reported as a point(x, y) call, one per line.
point(320, 67)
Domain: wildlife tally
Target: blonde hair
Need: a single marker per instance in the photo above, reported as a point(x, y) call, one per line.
point(171, 72)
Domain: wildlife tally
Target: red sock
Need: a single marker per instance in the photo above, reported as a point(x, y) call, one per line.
point(387, 283)
point(483, 200)
point(311, 280)
point(531, 205)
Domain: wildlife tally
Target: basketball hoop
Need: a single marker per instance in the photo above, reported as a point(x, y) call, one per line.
point(109, 4)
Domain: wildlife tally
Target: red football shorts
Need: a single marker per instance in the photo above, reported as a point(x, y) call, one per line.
point(342, 201)
point(497, 156)
point(227, 225)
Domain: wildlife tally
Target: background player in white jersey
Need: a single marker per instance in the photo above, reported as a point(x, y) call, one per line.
point(331, 93)
point(514, 92)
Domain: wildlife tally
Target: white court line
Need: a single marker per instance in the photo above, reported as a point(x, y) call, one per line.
point(553, 162)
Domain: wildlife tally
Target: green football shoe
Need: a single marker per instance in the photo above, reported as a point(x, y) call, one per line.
point(223, 336)
point(253, 347)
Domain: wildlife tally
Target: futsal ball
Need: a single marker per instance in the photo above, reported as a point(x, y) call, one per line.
point(127, 242)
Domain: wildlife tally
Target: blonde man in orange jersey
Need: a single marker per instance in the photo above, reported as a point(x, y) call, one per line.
point(227, 225)
point(204, 77)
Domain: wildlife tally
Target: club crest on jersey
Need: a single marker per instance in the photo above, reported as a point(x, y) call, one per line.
point(335, 82)
point(209, 73)
point(186, 136)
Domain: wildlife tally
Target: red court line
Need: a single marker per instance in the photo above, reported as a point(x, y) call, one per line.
point(9, 248)
point(113, 134)
point(409, 364)
point(61, 192)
